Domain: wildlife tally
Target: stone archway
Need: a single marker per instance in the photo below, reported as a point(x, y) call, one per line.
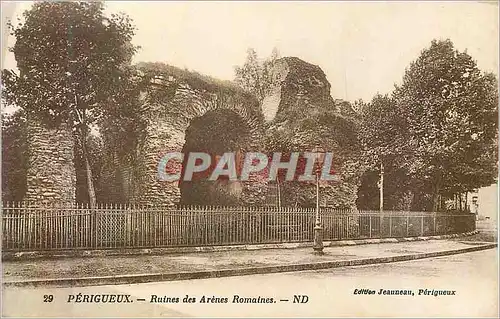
point(177, 99)
point(215, 133)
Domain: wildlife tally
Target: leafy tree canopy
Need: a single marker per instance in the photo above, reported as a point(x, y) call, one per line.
point(71, 58)
point(437, 132)
point(450, 108)
point(255, 75)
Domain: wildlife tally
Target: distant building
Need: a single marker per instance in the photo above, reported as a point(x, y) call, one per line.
point(484, 202)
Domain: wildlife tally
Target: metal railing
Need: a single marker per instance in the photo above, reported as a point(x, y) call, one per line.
point(30, 227)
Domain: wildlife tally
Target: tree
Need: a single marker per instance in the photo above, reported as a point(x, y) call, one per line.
point(96, 155)
point(255, 75)
point(72, 61)
point(450, 112)
point(383, 136)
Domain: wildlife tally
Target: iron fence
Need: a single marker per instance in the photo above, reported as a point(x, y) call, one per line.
point(29, 227)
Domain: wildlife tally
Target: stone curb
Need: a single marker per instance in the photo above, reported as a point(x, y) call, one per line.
point(143, 278)
point(77, 253)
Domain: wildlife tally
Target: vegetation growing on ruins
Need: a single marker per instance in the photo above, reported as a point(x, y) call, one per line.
point(255, 75)
point(162, 71)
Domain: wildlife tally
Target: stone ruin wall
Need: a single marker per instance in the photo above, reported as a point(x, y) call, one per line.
point(167, 121)
point(299, 88)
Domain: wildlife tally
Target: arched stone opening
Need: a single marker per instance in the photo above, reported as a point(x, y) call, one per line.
point(215, 133)
point(170, 120)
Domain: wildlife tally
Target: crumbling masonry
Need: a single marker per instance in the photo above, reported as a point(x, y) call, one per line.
point(174, 98)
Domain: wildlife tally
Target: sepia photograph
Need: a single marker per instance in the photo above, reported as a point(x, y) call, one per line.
point(249, 159)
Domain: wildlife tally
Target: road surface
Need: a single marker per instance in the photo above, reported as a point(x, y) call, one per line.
point(473, 277)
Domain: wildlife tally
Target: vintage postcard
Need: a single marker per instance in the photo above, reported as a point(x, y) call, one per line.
point(262, 159)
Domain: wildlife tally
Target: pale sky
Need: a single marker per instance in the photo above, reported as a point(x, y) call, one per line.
point(363, 47)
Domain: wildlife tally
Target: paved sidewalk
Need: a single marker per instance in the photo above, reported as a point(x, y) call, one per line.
point(217, 264)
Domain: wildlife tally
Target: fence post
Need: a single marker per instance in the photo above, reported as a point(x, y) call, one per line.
point(380, 228)
point(434, 223)
point(422, 226)
point(390, 225)
point(407, 226)
point(93, 226)
point(370, 216)
point(288, 212)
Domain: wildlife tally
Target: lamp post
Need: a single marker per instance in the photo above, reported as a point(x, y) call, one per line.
point(318, 229)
